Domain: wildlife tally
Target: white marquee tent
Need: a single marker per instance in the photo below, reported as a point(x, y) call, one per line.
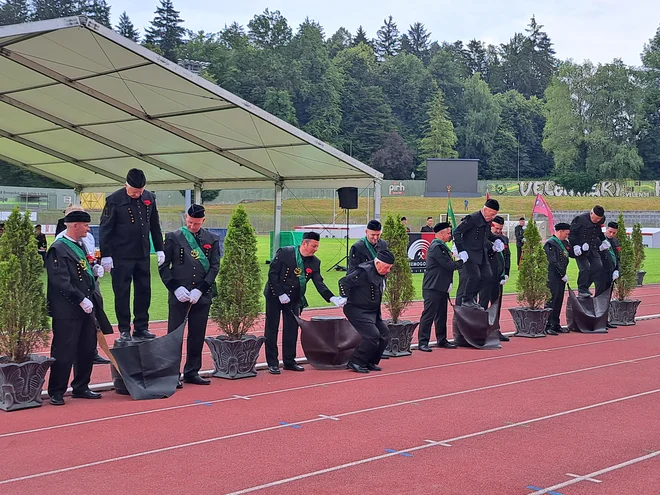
point(82, 105)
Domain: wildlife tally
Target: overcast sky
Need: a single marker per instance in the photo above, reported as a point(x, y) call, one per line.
point(599, 30)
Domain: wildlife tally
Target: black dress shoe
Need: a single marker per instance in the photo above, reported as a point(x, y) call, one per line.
point(609, 325)
point(98, 359)
point(293, 367)
point(197, 380)
point(143, 335)
point(87, 394)
point(274, 370)
point(504, 338)
point(57, 400)
point(357, 368)
point(550, 331)
point(561, 329)
point(424, 348)
point(179, 384)
point(448, 345)
point(374, 367)
point(126, 336)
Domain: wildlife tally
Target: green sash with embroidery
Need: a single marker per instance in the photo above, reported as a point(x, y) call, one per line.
point(195, 250)
point(302, 277)
point(82, 257)
point(560, 244)
point(369, 247)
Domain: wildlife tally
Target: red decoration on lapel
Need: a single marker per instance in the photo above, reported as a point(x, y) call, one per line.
point(147, 202)
point(308, 271)
point(207, 246)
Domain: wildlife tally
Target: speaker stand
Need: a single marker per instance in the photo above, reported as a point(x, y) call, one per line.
point(337, 265)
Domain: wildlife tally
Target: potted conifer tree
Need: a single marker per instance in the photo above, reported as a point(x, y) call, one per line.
point(236, 306)
point(399, 289)
point(23, 316)
point(531, 318)
point(638, 250)
point(623, 310)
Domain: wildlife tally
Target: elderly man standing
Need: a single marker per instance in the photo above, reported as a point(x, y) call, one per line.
point(364, 287)
point(129, 216)
point(587, 239)
point(557, 251)
point(71, 285)
point(366, 248)
point(471, 239)
point(192, 261)
point(290, 271)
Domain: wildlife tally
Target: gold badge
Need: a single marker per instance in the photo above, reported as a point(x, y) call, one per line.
point(297, 271)
point(83, 264)
point(194, 253)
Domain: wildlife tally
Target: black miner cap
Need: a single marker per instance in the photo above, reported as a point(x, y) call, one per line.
point(77, 216)
point(614, 225)
point(312, 236)
point(135, 178)
point(196, 211)
point(492, 204)
point(385, 256)
point(498, 219)
point(599, 210)
point(374, 225)
point(441, 226)
point(562, 226)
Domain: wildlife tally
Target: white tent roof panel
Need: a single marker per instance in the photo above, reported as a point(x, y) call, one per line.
point(81, 103)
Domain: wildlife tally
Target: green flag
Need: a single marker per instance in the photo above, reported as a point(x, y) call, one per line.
point(450, 215)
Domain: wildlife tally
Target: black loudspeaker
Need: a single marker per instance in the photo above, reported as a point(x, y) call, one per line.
point(348, 198)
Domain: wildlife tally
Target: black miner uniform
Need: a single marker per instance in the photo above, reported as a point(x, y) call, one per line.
point(558, 253)
point(182, 268)
point(500, 265)
point(361, 253)
point(282, 279)
point(74, 331)
point(519, 232)
point(583, 230)
point(124, 235)
point(438, 276)
point(610, 260)
point(472, 236)
point(364, 286)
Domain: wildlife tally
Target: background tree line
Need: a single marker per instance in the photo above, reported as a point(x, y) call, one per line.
point(398, 98)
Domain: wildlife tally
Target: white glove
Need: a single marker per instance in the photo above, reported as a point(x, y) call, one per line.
point(498, 246)
point(285, 299)
point(98, 271)
point(585, 247)
point(195, 294)
point(604, 245)
point(182, 294)
point(524, 240)
point(577, 250)
point(454, 250)
point(615, 274)
point(450, 287)
point(86, 305)
point(161, 257)
point(504, 280)
point(564, 278)
point(338, 301)
point(463, 255)
point(107, 264)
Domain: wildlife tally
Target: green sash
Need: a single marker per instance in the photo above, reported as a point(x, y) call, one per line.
point(612, 253)
point(302, 277)
point(561, 244)
point(370, 247)
point(195, 250)
point(441, 243)
point(82, 257)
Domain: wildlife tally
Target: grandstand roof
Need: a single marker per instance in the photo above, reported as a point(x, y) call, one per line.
point(82, 105)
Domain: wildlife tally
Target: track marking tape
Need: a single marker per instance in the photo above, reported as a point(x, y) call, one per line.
point(404, 454)
point(207, 404)
point(584, 478)
point(284, 423)
point(328, 417)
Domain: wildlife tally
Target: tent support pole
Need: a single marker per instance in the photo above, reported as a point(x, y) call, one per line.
point(277, 228)
point(377, 190)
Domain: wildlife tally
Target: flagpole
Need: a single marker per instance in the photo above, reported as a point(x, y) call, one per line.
point(448, 200)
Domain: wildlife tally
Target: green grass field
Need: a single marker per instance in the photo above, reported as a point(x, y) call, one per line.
point(331, 251)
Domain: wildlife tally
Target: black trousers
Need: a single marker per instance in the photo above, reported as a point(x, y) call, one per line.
point(74, 344)
point(435, 312)
point(374, 332)
point(519, 250)
point(489, 292)
point(197, 320)
point(289, 331)
point(139, 272)
point(605, 281)
point(557, 287)
point(475, 276)
point(589, 265)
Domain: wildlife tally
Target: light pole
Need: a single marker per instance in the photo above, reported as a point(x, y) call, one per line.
point(518, 140)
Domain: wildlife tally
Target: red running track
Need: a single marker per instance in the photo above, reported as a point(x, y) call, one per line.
point(649, 293)
point(534, 415)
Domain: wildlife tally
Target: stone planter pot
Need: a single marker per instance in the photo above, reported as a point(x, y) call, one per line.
point(235, 358)
point(401, 335)
point(21, 384)
point(623, 312)
point(640, 277)
point(530, 322)
point(328, 341)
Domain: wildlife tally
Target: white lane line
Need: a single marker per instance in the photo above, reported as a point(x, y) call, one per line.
point(596, 473)
point(333, 418)
point(585, 478)
point(350, 413)
point(375, 376)
point(471, 435)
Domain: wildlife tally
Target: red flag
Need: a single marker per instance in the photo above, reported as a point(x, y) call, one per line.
point(487, 195)
point(542, 208)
